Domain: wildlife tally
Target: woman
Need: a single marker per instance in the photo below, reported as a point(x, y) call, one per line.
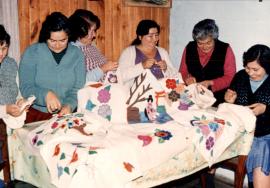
point(207, 60)
point(52, 70)
point(84, 26)
point(251, 87)
point(145, 54)
point(8, 73)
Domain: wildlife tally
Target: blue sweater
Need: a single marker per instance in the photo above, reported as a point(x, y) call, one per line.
point(39, 73)
point(8, 85)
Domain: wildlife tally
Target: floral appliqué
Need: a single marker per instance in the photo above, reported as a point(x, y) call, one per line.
point(104, 95)
point(161, 135)
point(103, 98)
point(209, 129)
point(178, 93)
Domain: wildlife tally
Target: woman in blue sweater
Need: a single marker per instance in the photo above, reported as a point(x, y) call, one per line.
point(52, 70)
point(251, 87)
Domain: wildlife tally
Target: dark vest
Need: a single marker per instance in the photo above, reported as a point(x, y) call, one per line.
point(213, 69)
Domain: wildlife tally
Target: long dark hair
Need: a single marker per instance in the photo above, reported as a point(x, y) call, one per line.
point(143, 29)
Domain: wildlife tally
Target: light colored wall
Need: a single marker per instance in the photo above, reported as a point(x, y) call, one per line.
point(242, 23)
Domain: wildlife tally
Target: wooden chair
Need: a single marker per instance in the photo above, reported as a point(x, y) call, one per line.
point(237, 165)
point(4, 148)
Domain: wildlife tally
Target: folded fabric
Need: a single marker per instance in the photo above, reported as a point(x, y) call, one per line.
point(18, 122)
point(201, 96)
point(184, 98)
point(15, 122)
point(242, 114)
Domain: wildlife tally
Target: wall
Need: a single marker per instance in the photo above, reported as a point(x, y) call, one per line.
point(242, 23)
point(118, 21)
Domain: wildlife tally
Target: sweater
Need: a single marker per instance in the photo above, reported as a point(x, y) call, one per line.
point(93, 60)
point(39, 73)
point(129, 70)
point(245, 96)
point(8, 84)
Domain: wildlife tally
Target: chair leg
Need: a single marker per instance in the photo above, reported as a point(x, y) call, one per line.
point(240, 172)
point(203, 179)
point(6, 169)
point(5, 157)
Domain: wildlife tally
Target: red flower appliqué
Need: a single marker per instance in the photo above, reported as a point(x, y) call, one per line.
point(171, 83)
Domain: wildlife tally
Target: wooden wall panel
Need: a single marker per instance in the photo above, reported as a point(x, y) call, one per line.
point(97, 7)
point(33, 12)
point(24, 24)
point(118, 21)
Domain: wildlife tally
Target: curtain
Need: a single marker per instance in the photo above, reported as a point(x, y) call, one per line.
point(9, 18)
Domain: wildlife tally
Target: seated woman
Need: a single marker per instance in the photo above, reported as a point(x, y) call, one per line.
point(52, 70)
point(145, 54)
point(208, 60)
point(8, 84)
point(251, 87)
point(84, 25)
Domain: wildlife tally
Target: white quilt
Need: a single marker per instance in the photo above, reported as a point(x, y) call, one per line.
point(97, 148)
point(105, 156)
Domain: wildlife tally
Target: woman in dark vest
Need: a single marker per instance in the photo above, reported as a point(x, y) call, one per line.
point(207, 60)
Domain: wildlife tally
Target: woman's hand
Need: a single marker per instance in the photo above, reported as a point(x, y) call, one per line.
point(190, 80)
point(162, 64)
point(109, 66)
point(230, 96)
point(52, 102)
point(13, 110)
point(65, 110)
point(148, 63)
point(20, 103)
point(257, 108)
point(207, 83)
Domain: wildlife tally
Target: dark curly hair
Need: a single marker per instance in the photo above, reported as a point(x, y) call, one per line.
point(4, 36)
point(81, 20)
point(56, 21)
point(259, 53)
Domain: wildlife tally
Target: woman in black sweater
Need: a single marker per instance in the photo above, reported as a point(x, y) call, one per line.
point(251, 87)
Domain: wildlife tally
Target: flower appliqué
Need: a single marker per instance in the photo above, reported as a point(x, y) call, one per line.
point(210, 129)
point(104, 95)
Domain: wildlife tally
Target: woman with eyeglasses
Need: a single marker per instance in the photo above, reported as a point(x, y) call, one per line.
point(207, 60)
point(84, 25)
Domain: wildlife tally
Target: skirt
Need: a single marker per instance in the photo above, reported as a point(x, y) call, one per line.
point(34, 115)
point(259, 156)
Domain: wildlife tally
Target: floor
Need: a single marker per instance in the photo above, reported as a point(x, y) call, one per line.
point(192, 181)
